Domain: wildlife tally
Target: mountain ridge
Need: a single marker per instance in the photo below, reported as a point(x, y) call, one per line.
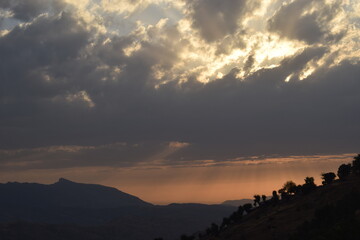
point(330, 210)
point(54, 208)
point(66, 193)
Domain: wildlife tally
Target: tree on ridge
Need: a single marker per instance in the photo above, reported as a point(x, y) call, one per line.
point(308, 186)
point(247, 207)
point(328, 177)
point(356, 165)
point(344, 171)
point(275, 196)
point(257, 200)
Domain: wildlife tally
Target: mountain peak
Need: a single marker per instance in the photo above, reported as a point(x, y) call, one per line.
point(63, 180)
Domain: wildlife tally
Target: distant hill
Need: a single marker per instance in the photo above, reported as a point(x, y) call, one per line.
point(237, 203)
point(67, 210)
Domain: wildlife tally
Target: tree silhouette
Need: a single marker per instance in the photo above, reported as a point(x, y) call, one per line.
point(309, 181)
point(328, 177)
point(284, 196)
point(247, 207)
point(356, 165)
point(225, 222)
point(257, 199)
point(240, 211)
point(235, 217)
point(344, 171)
point(288, 188)
point(275, 197)
point(308, 186)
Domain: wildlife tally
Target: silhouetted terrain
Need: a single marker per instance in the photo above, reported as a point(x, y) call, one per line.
point(69, 210)
point(65, 193)
point(236, 203)
point(330, 211)
point(294, 212)
point(168, 222)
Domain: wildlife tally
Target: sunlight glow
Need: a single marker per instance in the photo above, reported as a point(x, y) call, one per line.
point(81, 96)
point(306, 73)
point(203, 60)
point(131, 49)
point(274, 50)
point(287, 79)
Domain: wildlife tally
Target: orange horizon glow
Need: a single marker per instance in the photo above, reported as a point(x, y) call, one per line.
point(208, 184)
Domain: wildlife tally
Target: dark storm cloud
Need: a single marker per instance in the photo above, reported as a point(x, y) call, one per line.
point(228, 117)
point(217, 18)
point(53, 67)
point(28, 52)
point(293, 22)
point(269, 116)
point(59, 87)
point(26, 10)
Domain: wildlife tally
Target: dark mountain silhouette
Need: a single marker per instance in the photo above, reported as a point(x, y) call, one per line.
point(294, 212)
point(237, 203)
point(65, 193)
point(67, 210)
point(331, 211)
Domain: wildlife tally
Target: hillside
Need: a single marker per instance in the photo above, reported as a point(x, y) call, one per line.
point(65, 202)
point(66, 193)
point(328, 212)
point(67, 210)
point(306, 211)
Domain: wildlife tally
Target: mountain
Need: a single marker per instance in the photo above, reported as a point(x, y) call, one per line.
point(67, 210)
point(237, 203)
point(329, 212)
point(65, 193)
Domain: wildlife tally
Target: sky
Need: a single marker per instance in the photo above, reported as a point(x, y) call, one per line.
point(178, 101)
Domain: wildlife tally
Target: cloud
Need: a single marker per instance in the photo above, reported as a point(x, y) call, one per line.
point(215, 19)
point(27, 10)
point(81, 96)
point(71, 84)
point(128, 155)
point(52, 40)
point(249, 62)
point(305, 20)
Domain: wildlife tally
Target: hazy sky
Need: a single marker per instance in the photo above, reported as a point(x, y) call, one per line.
point(189, 100)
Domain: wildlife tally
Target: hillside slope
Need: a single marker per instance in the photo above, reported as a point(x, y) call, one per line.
point(67, 210)
point(331, 210)
point(65, 193)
